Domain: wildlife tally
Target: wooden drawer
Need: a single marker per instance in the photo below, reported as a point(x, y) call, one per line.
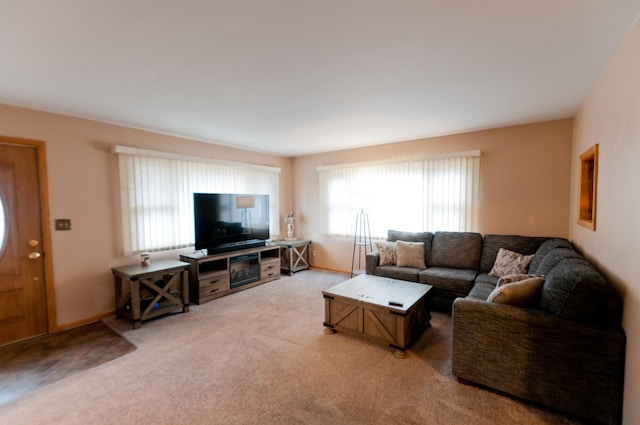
point(213, 277)
point(207, 291)
point(213, 284)
point(270, 260)
point(269, 268)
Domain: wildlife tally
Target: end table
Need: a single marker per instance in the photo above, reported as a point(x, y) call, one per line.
point(294, 255)
point(144, 292)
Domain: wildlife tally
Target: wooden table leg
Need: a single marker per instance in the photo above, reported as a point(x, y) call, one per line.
point(135, 303)
point(400, 353)
point(185, 291)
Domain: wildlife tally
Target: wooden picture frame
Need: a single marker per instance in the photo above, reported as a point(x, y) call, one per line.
point(587, 203)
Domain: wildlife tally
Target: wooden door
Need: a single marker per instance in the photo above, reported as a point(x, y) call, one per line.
point(23, 298)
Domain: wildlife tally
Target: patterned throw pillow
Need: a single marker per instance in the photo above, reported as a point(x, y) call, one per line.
point(514, 278)
point(510, 262)
point(388, 253)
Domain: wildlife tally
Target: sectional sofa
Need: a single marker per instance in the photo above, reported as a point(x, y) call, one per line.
point(531, 317)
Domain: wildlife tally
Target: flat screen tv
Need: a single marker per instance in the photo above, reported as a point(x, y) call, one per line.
point(229, 222)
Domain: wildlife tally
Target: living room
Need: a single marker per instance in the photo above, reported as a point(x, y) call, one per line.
point(529, 186)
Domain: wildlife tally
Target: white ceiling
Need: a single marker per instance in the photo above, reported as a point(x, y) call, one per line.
point(295, 77)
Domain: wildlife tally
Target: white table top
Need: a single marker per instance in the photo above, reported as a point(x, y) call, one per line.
point(390, 293)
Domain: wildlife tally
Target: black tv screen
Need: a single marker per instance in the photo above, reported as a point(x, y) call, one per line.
point(226, 222)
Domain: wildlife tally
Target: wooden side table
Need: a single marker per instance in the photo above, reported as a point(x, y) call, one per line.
point(144, 292)
point(294, 255)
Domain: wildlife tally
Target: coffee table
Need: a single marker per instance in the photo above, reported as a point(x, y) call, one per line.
point(379, 309)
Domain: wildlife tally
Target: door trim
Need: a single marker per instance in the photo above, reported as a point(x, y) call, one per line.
point(43, 180)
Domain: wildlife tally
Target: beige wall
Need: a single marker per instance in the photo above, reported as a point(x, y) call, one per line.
point(610, 116)
point(83, 186)
point(524, 184)
point(524, 190)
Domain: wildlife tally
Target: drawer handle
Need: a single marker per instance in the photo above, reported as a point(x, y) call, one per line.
point(213, 290)
point(214, 281)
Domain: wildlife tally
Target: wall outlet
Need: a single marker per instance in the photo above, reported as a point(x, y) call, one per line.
point(63, 224)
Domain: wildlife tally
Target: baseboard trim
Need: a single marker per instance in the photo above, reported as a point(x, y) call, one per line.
point(86, 321)
point(331, 270)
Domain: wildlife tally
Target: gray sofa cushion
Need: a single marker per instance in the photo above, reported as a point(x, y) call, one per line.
point(525, 245)
point(459, 250)
point(426, 237)
point(545, 248)
point(574, 290)
point(481, 290)
point(457, 281)
point(553, 258)
point(395, 272)
point(485, 278)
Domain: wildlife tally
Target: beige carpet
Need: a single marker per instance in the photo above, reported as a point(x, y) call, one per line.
point(260, 357)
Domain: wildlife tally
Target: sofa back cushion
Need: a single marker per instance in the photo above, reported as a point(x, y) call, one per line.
point(552, 259)
point(545, 248)
point(426, 237)
point(458, 250)
point(610, 312)
point(525, 245)
point(575, 290)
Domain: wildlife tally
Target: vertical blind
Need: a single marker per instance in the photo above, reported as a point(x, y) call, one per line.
point(437, 194)
point(157, 195)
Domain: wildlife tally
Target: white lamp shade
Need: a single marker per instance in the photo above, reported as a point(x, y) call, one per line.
point(245, 202)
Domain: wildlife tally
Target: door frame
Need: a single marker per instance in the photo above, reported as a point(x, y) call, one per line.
point(45, 217)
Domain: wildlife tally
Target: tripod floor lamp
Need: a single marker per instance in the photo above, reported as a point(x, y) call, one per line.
point(362, 234)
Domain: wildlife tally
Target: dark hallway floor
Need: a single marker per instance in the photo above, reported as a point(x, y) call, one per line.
point(29, 365)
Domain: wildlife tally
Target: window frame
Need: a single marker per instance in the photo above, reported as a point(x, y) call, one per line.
point(588, 191)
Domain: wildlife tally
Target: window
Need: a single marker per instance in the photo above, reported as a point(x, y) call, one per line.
point(436, 194)
point(157, 195)
point(588, 188)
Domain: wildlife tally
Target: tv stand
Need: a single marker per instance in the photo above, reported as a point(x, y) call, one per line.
point(236, 246)
point(216, 275)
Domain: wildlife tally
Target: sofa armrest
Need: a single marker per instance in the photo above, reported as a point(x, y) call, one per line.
point(568, 365)
point(372, 260)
